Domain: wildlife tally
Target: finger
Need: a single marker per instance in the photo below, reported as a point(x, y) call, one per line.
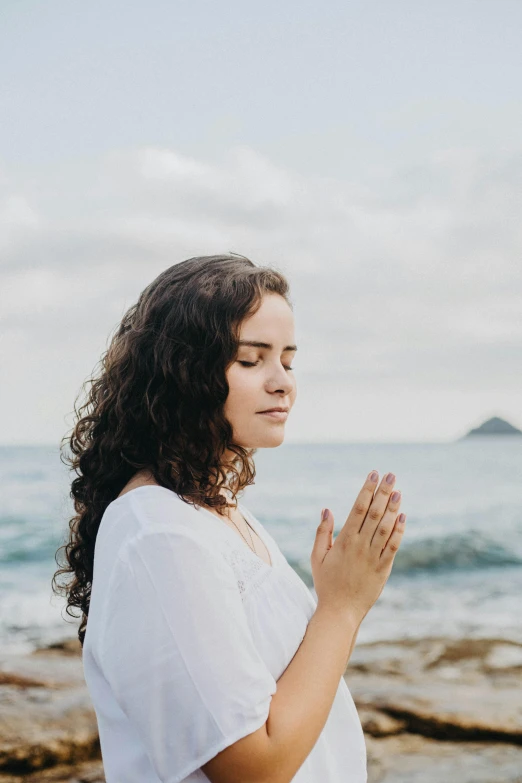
point(378, 507)
point(359, 509)
point(322, 536)
point(385, 526)
point(393, 543)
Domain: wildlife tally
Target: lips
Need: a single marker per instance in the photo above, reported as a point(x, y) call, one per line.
point(275, 415)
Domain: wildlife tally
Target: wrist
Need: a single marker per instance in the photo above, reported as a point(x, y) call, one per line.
point(346, 616)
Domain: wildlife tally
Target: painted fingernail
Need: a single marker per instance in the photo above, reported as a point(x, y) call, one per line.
point(374, 476)
point(395, 496)
point(390, 478)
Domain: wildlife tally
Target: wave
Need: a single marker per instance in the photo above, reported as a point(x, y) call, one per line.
point(467, 551)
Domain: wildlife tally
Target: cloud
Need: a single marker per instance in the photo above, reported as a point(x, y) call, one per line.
point(412, 276)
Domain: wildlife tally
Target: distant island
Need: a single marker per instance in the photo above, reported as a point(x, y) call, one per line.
point(494, 426)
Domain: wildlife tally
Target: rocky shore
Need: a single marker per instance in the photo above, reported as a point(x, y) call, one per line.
point(432, 710)
point(440, 709)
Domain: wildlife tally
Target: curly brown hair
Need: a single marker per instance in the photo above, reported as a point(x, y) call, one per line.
point(157, 401)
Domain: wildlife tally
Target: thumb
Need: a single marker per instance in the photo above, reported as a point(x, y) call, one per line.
point(324, 535)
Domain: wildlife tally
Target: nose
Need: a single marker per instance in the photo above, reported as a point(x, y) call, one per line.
point(282, 382)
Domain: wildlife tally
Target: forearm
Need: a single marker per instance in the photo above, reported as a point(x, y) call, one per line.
point(354, 640)
point(306, 690)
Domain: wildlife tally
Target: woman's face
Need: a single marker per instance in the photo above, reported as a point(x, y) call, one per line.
point(268, 384)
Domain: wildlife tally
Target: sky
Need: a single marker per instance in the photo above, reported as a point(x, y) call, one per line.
point(371, 151)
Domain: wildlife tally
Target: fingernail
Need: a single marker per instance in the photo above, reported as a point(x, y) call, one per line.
point(374, 476)
point(324, 514)
point(390, 478)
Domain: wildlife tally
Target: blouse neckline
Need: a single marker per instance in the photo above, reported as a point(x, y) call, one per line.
point(257, 529)
point(237, 537)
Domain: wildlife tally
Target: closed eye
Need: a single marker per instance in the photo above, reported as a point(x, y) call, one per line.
point(253, 364)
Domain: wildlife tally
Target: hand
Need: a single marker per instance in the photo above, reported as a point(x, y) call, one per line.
point(349, 575)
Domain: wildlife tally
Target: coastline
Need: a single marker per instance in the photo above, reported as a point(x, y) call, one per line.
point(427, 707)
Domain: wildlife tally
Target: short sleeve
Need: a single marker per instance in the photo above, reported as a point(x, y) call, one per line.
point(178, 652)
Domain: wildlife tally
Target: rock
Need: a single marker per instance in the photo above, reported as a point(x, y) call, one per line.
point(86, 772)
point(494, 426)
point(504, 656)
point(379, 724)
point(441, 688)
point(418, 699)
point(46, 715)
point(411, 758)
point(65, 647)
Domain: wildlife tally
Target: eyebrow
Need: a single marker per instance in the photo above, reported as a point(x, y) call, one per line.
point(269, 346)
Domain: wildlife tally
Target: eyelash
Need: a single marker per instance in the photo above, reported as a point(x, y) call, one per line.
point(253, 364)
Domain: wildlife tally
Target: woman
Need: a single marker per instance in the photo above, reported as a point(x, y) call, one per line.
point(205, 655)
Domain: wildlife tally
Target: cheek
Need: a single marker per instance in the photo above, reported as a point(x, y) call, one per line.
point(241, 384)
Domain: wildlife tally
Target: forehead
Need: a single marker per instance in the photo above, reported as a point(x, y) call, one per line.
point(274, 314)
point(272, 324)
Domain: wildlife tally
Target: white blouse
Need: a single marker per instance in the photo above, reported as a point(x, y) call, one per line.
point(188, 632)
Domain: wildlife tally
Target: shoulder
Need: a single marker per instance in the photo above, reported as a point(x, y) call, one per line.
point(161, 519)
point(155, 507)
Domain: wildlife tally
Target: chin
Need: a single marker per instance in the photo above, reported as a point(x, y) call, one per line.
point(270, 441)
point(266, 441)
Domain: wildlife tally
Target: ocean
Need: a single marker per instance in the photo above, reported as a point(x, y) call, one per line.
point(457, 573)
